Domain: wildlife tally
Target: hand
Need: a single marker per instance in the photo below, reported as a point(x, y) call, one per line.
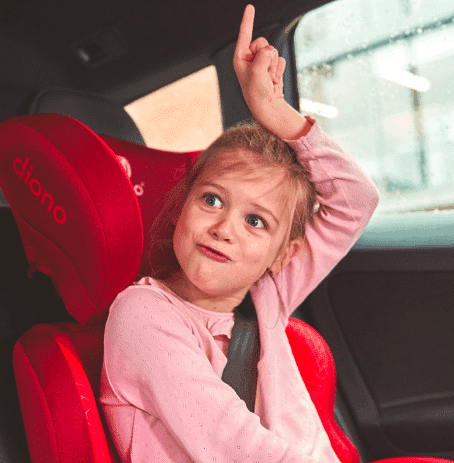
point(259, 69)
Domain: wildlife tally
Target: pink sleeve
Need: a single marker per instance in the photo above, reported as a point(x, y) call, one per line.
point(347, 199)
point(154, 362)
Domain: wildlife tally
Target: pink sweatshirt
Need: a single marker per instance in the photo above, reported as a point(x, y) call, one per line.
point(161, 387)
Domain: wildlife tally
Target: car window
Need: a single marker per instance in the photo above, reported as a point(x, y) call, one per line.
point(182, 116)
point(379, 75)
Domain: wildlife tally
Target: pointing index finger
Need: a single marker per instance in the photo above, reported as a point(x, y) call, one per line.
point(246, 27)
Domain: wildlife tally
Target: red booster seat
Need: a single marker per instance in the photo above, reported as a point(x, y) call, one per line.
point(84, 204)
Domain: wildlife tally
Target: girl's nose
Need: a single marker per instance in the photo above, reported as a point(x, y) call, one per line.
point(223, 229)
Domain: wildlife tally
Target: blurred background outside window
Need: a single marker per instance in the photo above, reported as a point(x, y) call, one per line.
point(379, 74)
point(182, 116)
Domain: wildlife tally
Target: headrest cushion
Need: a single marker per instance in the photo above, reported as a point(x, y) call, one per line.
point(153, 174)
point(75, 207)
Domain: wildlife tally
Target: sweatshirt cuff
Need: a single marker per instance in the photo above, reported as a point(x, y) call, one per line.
point(311, 121)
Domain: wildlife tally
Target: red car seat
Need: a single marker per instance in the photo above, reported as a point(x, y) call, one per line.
point(81, 221)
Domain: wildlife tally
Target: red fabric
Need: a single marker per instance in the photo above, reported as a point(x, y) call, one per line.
point(153, 174)
point(60, 178)
point(316, 365)
point(37, 417)
point(65, 421)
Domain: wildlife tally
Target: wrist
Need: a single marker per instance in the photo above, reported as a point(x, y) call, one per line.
point(283, 120)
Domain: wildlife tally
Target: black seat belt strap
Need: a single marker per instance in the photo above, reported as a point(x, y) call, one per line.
point(243, 353)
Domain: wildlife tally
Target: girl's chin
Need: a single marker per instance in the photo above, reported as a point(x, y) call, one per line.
point(209, 288)
point(211, 282)
point(206, 283)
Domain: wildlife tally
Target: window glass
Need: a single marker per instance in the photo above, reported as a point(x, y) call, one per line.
point(182, 116)
point(379, 75)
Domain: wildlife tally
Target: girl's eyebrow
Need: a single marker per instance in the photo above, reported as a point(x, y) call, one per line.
point(257, 206)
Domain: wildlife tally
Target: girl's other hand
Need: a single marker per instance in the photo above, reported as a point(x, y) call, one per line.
point(259, 69)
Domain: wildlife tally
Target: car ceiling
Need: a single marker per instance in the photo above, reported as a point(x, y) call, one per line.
point(36, 38)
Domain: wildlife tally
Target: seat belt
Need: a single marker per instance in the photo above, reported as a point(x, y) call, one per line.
point(243, 353)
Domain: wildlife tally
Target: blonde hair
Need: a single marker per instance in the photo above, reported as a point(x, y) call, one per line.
point(257, 151)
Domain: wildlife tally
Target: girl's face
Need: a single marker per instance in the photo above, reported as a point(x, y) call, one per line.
point(229, 233)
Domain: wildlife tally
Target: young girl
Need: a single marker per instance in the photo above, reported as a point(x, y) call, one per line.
point(245, 224)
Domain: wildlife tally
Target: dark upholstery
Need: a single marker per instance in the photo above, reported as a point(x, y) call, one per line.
point(102, 115)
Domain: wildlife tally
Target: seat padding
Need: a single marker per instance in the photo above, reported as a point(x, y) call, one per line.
point(316, 366)
point(75, 207)
point(153, 173)
point(57, 369)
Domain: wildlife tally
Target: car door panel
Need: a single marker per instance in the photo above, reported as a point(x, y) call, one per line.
point(387, 313)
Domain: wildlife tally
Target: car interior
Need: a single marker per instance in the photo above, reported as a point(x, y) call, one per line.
point(81, 183)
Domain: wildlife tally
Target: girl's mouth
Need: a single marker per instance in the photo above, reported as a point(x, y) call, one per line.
point(212, 253)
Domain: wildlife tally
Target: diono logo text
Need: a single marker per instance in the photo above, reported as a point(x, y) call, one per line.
point(20, 167)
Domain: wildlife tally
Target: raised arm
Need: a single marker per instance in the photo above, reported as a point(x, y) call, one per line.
point(347, 197)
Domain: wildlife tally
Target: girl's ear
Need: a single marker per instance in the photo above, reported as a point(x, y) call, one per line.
point(286, 255)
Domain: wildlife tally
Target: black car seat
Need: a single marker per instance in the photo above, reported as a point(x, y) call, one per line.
point(104, 116)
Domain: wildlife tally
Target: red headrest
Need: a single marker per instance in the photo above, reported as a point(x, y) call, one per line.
point(153, 173)
point(76, 210)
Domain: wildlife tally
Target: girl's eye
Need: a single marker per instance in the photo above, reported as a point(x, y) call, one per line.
point(212, 200)
point(256, 221)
